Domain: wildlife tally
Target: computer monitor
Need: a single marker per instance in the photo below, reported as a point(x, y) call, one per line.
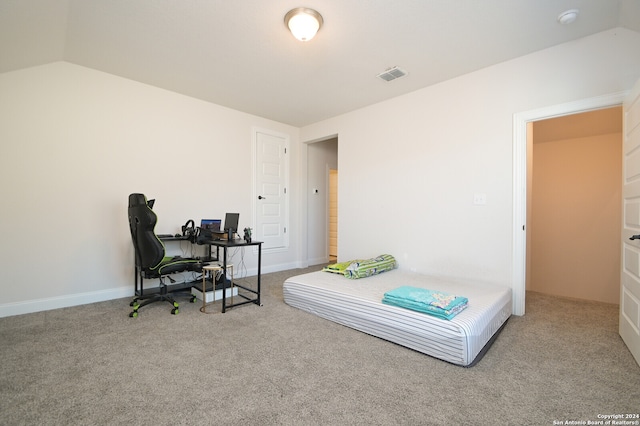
point(212, 225)
point(231, 222)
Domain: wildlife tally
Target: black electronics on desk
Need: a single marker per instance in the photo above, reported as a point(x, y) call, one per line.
point(210, 224)
point(207, 229)
point(229, 229)
point(231, 222)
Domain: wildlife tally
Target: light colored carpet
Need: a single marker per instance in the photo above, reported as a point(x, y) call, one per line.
point(93, 365)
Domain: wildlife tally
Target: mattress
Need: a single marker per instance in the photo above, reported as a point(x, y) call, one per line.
point(358, 304)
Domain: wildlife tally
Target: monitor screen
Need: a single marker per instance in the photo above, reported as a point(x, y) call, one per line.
point(231, 221)
point(210, 224)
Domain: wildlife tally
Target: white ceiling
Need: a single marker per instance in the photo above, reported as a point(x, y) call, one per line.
point(238, 53)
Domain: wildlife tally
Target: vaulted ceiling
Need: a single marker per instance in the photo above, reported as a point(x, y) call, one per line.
point(239, 54)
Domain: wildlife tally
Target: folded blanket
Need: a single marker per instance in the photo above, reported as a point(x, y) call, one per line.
point(338, 268)
point(373, 266)
point(437, 303)
point(363, 268)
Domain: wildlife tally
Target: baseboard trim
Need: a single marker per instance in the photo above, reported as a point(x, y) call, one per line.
point(318, 261)
point(69, 300)
point(66, 301)
point(266, 269)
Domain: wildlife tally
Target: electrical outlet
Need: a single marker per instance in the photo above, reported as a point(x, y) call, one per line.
point(479, 199)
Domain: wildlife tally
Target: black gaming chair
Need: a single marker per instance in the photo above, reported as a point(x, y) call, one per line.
point(150, 258)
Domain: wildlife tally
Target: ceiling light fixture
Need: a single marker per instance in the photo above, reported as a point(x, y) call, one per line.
point(568, 16)
point(303, 23)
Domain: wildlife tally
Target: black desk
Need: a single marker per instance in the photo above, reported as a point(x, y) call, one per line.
point(224, 244)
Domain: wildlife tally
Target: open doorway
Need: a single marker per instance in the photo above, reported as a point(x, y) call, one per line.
point(575, 206)
point(322, 157)
point(522, 123)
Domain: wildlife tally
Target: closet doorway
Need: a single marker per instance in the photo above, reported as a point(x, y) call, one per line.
point(575, 206)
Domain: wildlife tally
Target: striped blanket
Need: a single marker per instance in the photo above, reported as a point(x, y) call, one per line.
point(363, 268)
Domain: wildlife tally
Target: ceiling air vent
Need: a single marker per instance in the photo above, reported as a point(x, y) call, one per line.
point(392, 74)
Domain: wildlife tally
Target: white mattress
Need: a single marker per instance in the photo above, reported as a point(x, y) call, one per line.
point(358, 304)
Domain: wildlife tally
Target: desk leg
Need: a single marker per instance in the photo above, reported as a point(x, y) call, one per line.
point(224, 280)
point(231, 285)
point(259, 271)
point(204, 291)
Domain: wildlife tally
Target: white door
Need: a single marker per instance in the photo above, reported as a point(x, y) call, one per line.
point(271, 198)
point(630, 276)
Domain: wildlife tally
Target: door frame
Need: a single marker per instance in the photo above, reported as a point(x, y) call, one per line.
point(329, 195)
point(303, 259)
point(520, 180)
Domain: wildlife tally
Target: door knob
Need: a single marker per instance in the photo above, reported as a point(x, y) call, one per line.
point(635, 237)
point(260, 197)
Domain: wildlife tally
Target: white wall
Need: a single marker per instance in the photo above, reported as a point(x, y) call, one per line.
point(75, 143)
point(421, 157)
point(576, 217)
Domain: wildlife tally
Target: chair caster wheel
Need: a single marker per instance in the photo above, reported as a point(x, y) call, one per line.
point(133, 314)
point(175, 311)
point(193, 299)
point(133, 302)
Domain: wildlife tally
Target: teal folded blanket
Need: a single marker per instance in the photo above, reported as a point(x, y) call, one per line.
point(437, 303)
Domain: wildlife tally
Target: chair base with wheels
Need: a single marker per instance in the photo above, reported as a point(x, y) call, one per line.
point(163, 295)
